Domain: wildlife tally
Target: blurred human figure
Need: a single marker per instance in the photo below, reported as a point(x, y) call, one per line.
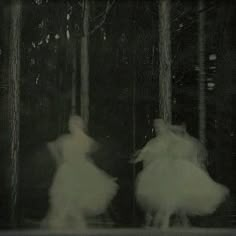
point(174, 179)
point(172, 141)
point(80, 189)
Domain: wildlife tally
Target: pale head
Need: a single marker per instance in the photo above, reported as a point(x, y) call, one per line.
point(160, 125)
point(76, 124)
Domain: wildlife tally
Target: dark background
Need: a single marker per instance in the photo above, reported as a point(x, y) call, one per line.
point(123, 94)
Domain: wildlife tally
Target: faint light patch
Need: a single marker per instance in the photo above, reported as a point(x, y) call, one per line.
point(232, 134)
point(32, 61)
point(212, 67)
point(104, 36)
point(68, 16)
point(181, 25)
point(41, 24)
point(196, 68)
point(47, 38)
point(33, 45)
point(57, 36)
point(37, 79)
point(38, 2)
point(40, 42)
point(174, 101)
point(67, 34)
point(212, 57)
point(209, 79)
point(210, 86)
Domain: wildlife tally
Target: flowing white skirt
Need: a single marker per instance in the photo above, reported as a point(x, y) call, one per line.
point(79, 190)
point(178, 185)
point(84, 187)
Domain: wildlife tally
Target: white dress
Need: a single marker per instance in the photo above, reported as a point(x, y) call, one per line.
point(178, 185)
point(173, 146)
point(79, 189)
point(174, 179)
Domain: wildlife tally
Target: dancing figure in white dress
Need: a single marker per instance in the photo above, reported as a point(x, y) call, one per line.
point(80, 189)
point(174, 179)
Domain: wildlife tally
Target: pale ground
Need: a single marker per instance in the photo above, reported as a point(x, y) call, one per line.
point(130, 232)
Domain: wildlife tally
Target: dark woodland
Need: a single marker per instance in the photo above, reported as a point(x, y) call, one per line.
point(47, 50)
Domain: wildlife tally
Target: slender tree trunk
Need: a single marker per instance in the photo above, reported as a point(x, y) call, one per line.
point(165, 85)
point(134, 123)
point(4, 83)
point(14, 101)
point(202, 74)
point(85, 64)
point(74, 77)
point(62, 70)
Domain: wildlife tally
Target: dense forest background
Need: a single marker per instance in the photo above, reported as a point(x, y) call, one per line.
point(124, 93)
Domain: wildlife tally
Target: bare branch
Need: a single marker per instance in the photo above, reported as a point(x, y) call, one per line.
point(101, 14)
point(80, 4)
point(109, 5)
point(185, 13)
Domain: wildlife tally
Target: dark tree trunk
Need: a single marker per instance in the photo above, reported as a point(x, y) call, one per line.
point(202, 74)
point(74, 77)
point(62, 72)
point(84, 58)
point(14, 103)
point(165, 85)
